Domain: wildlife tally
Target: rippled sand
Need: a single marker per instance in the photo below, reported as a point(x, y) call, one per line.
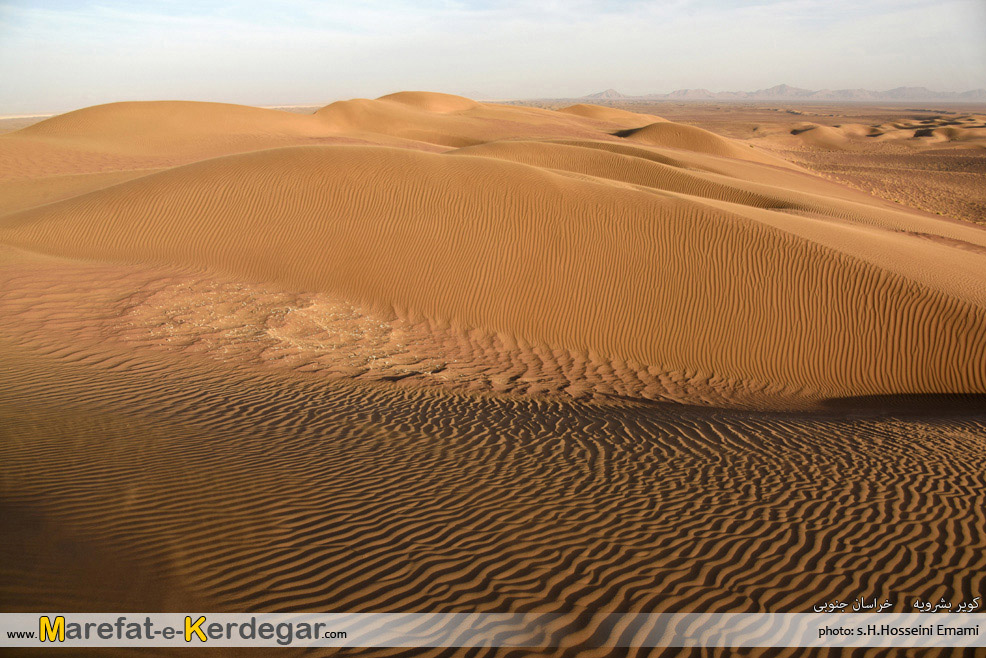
point(424, 354)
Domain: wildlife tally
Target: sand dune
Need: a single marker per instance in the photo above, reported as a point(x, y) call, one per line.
point(577, 249)
point(824, 136)
point(610, 114)
point(431, 101)
point(690, 138)
point(155, 134)
point(401, 354)
point(164, 126)
point(969, 130)
point(931, 160)
point(456, 122)
point(146, 135)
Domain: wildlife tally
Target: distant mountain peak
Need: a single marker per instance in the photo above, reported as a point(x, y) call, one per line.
point(608, 94)
point(784, 91)
point(691, 93)
point(788, 92)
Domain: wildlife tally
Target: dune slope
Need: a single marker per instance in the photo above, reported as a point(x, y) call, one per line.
point(795, 303)
point(691, 138)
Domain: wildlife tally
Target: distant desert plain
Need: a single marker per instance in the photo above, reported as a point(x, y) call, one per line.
point(427, 354)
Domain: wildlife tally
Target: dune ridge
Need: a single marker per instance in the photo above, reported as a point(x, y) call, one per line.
point(612, 114)
point(578, 263)
point(658, 253)
point(692, 138)
point(959, 131)
point(153, 134)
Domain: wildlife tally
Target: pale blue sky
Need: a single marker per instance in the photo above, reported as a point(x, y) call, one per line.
point(60, 55)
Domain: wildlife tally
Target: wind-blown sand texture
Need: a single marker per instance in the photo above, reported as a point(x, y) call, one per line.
point(931, 158)
point(410, 354)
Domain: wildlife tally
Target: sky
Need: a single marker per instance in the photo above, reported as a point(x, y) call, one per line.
point(65, 54)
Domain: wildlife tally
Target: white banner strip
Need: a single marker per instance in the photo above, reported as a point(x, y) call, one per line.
point(492, 630)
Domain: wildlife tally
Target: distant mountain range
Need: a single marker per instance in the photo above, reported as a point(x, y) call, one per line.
point(789, 93)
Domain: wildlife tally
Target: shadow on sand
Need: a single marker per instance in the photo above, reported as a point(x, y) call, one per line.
point(925, 405)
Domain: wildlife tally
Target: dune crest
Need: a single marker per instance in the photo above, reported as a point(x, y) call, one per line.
point(955, 131)
point(431, 101)
point(691, 138)
point(661, 253)
point(668, 280)
point(612, 114)
point(154, 125)
point(156, 134)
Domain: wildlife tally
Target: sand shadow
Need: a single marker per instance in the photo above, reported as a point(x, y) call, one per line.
point(48, 565)
point(925, 405)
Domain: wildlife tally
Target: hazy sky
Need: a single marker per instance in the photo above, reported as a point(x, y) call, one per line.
point(66, 54)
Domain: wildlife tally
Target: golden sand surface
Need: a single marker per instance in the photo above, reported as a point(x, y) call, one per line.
point(924, 156)
point(421, 353)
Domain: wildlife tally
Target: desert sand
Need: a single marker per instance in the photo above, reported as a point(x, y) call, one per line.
point(421, 353)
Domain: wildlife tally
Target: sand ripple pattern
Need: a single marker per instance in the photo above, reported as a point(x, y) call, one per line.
point(401, 355)
point(795, 295)
point(244, 491)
